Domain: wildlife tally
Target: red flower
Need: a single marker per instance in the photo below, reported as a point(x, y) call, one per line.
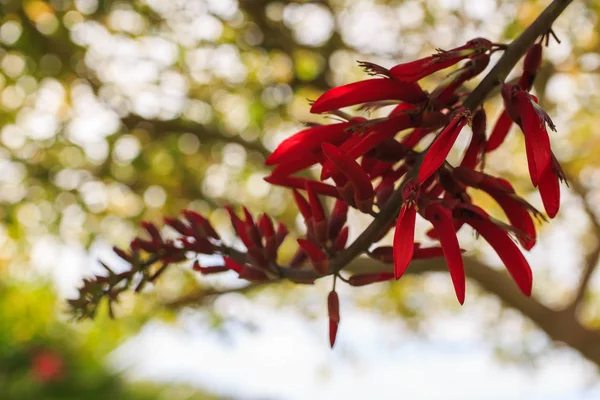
point(47, 366)
point(404, 235)
point(525, 112)
point(441, 146)
point(333, 309)
point(506, 249)
point(366, 91)
point(356, 176)
point(441, 219)
point(415, 70)
point(517, 210)
point(308, 140)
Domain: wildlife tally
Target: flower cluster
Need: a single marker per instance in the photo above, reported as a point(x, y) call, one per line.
point(373, 165)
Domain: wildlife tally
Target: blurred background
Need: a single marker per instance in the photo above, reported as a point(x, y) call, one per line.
point(113, 112)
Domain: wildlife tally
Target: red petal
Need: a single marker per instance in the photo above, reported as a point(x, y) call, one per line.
point(337, 219)
point(536, 137)
point(520, 218)
point(333, 310)
point(499, 132)
point(366, 91)
point(318, 213)
point(549, 187)
point(441, 218)
point(316, 256)
point(351, 170)
point(299, 183)
point(303, 205)
point(290, 167)
point(439, 149)
point(507, 250)
point(304, 142)
point(415, 70)
point(404, 238)
point(367, 279)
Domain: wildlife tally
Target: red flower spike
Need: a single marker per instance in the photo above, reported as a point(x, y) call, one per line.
point(507, 250)
point(266, 227)
point(123, 254)
point(341, 240)
point(476, 149)
point(523, 110)
point(281, 233)
point(146, 245)
point(415, 70)
point(245, 272)
point(300, 183)
point(252, 229)
point(367, 279)
point(337, 219)
point(308, 140)
point(317, 258)
point(303, 205)
point(366, 91)
point(404, 236)
point(240, 228)
point(441, 146)
point(441, 219)
point(359, 179)
point(200, 224)
point(333, 310)
point(209, 270)
point(179, 226)
point(152, 231)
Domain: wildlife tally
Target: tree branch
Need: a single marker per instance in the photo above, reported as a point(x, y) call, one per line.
point(591, 261)
point(203, 133)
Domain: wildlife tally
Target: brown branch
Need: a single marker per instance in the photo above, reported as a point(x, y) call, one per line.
point(591, 261)
point(515, 51)
point(204, 296)
point(559, 325)
point(204, 133)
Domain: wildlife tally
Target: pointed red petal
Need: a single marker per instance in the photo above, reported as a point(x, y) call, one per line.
point(367, 279)
point(499, 132)
point(415, 70)
point(507, 250)
point(404, 238)
point(366, 91)
point(290, 167)
point(441, 218)
point(549, 187)
point(302, 204)
point(299, 183)
point(318, 213)
point(338, 218)
point(333, 310)
point(351, 170)
point(536, 137)
point(303, 142)
point(439, 149)
point(316, 256)
point(518, 217)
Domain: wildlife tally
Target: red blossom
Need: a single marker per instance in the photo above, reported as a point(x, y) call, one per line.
point(366, 91)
